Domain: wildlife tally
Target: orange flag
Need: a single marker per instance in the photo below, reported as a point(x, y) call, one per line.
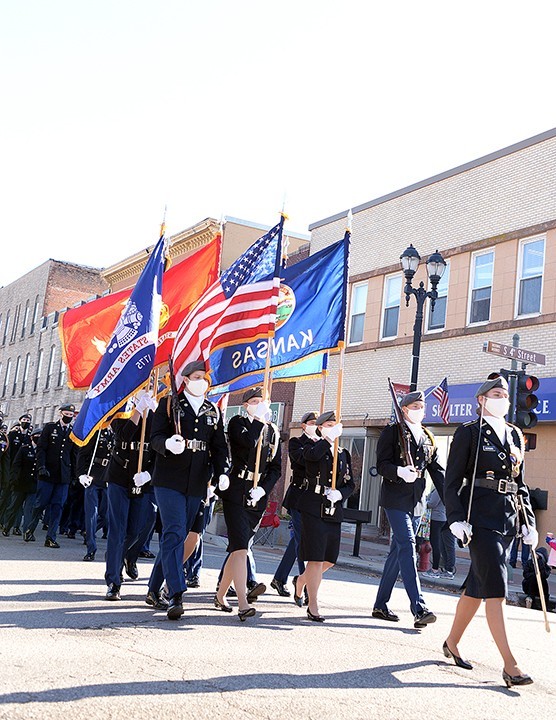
point(85, 331)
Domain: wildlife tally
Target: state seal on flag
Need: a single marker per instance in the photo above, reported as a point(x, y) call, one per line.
point(286, 305)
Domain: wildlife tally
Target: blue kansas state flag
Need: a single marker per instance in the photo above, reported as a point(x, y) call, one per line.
point(310, 319)
point(129, 357)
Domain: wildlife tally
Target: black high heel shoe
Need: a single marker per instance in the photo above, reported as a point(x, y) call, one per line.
point(221, 606)
point(460, 662)
point(516, 679)
point(244, 614)
point(315, 618)
point(298, 600)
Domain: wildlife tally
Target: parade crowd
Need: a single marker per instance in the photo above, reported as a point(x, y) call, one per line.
point(162, 468)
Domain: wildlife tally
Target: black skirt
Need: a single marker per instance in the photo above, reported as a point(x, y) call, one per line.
point(241, 524)
point(488, 574)
point(320, 539)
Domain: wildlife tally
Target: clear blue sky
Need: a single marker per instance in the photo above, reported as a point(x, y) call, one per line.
point(113, 109)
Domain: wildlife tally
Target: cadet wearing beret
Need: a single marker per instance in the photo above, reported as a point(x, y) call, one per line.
point(18, 436)
point(186, 461)
point(485, 469)
point(296, 446)
point(24, 483)
point(321, 508)
point(244, 504)
point(403, 488)
point(56, 458)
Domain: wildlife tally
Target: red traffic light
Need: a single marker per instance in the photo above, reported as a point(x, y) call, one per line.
point(530, 383)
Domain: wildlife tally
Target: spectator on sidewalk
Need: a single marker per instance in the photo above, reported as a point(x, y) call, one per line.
point(442, 541)
point(530, 584)
point(525, 552)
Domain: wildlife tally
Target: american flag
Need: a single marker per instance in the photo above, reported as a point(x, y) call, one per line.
point(440, 392)
point(239, 307)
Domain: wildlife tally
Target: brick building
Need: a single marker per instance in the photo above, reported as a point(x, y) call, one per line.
point(494, 221)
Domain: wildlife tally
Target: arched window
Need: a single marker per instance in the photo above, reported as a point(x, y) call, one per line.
point(16, 374)
point(7, 377)
point(39, 370)
point(26, 372)
point(50, 371)
point(25, 319)
point(35, 315)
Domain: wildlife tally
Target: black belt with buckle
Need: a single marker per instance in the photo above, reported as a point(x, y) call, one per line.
point(195, 445)
point(134, 445)
point(246, 474)
point(501, 485)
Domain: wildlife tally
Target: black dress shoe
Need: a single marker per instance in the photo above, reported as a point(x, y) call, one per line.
point(194, 583)
point(280, 588)
point(49, 542)
point(315, 618)
point(298, 600)
point(155, 600)
point(516, 679)
point(424, 618)
point(222, 606)
point(231, 592)
point(145, 553)
point(175, 607)
point(28, 536)
point(113, 592)
point(131, 569)
point(71, 534)
point(89, 557)
point(254, 590)
point(385, 614)
point(244, 614)
point(460, 662)
point(6, 532)
point(16, 531)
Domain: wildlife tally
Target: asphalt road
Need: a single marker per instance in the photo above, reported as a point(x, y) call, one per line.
point(67, 653)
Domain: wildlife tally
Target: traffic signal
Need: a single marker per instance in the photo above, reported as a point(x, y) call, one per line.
point(526, 401)
point(530, 441)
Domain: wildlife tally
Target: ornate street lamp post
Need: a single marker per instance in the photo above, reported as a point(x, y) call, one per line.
point(436, 265)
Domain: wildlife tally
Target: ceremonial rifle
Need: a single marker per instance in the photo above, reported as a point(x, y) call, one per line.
point(403, 431)
point(175, 399)
point(521, 507)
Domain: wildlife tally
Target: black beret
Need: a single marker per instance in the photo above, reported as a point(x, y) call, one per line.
point(326, 416)
point(25, 415)
point(308, 416)
point(496, 382)
point(412, 397)
point(251, 393)
point(67, 408)
point(36, 431)
point(192, 367)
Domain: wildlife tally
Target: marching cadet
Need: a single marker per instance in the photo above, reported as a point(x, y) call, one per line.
point(242, 502)
point(56, 458)
point(296, 445)
point(18, 436)
point(190, 445)
point(402, 497)
point(92, 464)
point(125, 492)
point(24, 483)
point(486, 501)
point(321, 509)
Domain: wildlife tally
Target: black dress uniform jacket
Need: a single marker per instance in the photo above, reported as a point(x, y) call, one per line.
point(57, 453)
point(191, 471)
point(490, 509)
point(319, 460)
point(24, 469)
point(16, 439)
point(124, 461)
point(395, 493)
point(243, 435)
point(101, 458)
point(296, 446)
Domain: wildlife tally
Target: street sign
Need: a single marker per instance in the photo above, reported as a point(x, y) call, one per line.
point(514, 353)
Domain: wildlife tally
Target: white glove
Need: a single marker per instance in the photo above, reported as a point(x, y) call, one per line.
point(210, 493)
point(175, 444)
point(145, 401)
point(85, 480)
point(223, 482)
point(333, 495)
point(530, 536)
point(408, 473)
point(331, 433)
point(462, 530)
point(262, 412)
point(141, 478)
point(255, 494)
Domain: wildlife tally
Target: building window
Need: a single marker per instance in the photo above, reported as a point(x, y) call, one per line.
point(392, 293)
point(35, 316)
point(39, 370)
point(357, 313)
point(482, 272)
point(16, 323)
point(50, 371)
point(7, 377)
point(25, 319)
point(531, 268)
point(6, 328)
point(436, 319)
point(62, 373)
point(26, 372)
point(16, 374)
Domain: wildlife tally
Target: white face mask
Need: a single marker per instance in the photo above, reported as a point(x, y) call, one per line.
point(311, 430)
point(251, 408)
point(416, 416)
point(197, 387)
point(497, 406)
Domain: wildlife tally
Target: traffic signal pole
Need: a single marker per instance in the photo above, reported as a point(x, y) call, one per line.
point(512, 382)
